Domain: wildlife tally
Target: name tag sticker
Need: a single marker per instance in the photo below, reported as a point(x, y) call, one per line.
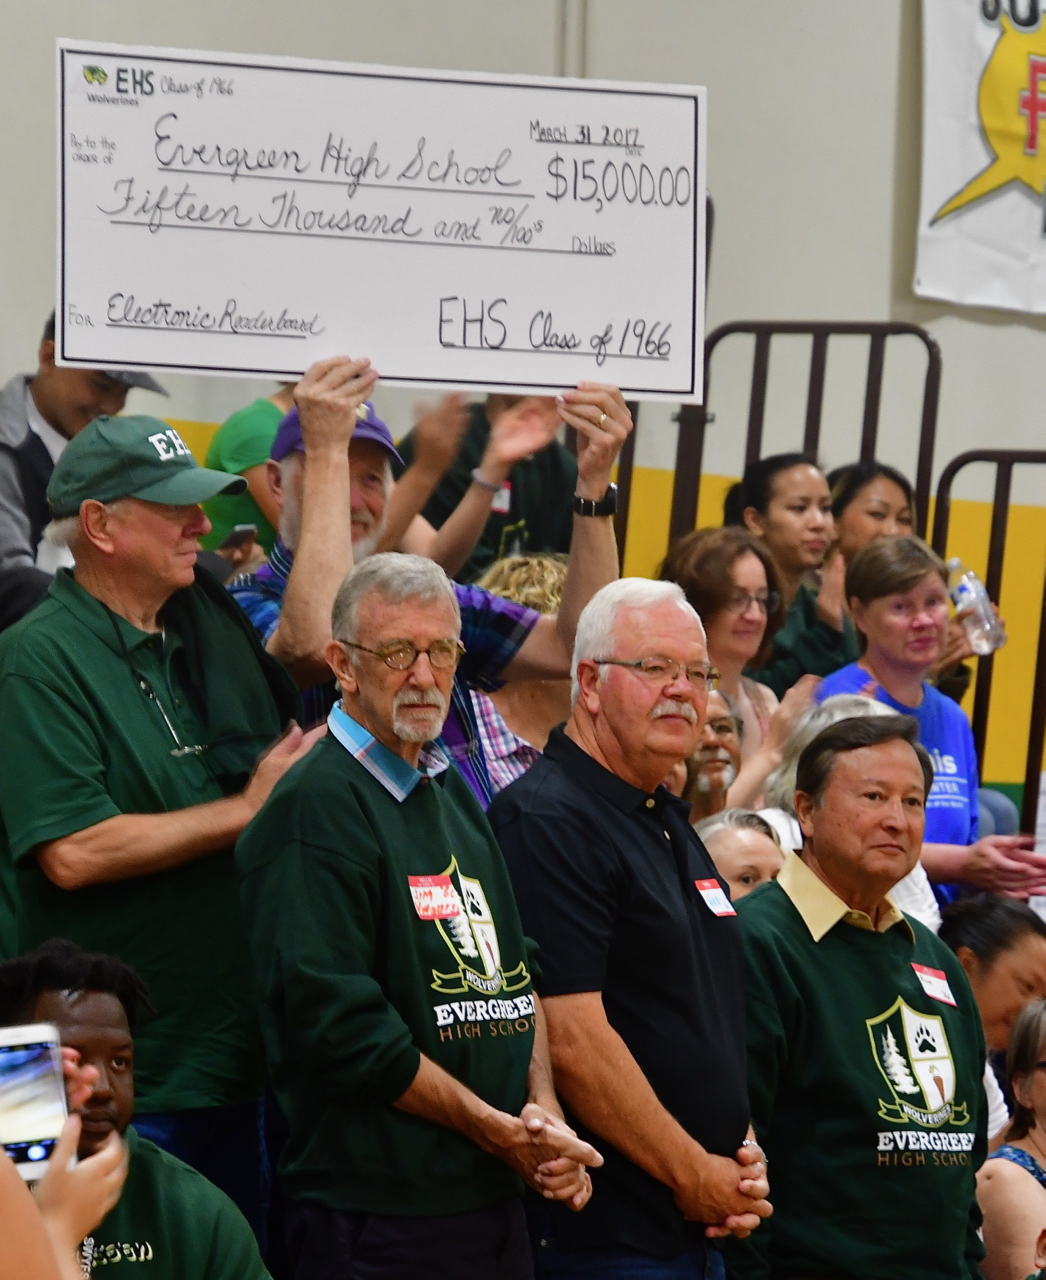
point(435, 898)
point(935, 983)
point(502, 500)
point(715, 899)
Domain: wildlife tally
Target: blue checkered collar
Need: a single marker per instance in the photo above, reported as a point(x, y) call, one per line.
point(393, 772)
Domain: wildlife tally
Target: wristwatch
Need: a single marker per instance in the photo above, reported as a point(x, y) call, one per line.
point(606, 506)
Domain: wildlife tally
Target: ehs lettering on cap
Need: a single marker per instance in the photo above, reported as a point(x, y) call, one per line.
point(715, 899)
point(502, 503)
point(169, 444)
point(935, 983)
point(435, 898)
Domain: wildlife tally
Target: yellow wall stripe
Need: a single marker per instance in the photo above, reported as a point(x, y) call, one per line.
point(1020, 602)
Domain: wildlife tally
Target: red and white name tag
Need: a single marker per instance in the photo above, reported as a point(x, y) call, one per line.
point(435, 898)
point(935, 983)
point(502, 500)
point(715, 899)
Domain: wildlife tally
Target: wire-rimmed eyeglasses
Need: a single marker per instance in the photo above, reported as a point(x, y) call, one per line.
point(666, 670)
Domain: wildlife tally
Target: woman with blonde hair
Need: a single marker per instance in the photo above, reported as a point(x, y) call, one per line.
point(514, 721)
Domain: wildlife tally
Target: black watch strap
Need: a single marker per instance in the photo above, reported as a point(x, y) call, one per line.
point(606, 506)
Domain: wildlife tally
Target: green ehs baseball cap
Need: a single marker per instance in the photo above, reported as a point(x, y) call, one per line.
point(132, 457)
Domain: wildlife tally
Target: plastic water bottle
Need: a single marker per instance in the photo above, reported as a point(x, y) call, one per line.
point(974, 610)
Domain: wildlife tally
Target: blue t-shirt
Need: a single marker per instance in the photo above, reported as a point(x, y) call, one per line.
point(951, 809)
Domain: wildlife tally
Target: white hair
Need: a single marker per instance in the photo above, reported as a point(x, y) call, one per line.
point(594, 637)
point(396, 577)
point(62, 532)
point(779, 792)
point(734, 820)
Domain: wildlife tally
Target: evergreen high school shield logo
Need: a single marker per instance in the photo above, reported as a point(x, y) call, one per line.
point(458, 907)
point(912, 1052)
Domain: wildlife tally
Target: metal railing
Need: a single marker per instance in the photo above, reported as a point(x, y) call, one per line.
point(694, 418)
point(1004, 461)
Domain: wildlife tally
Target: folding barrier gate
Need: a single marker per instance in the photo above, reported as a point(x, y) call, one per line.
point(1004, 460)
point(694, 418)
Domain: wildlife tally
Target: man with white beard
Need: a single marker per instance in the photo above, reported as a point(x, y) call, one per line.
point(715, 764)
point(404, 1040)
point(330, 474)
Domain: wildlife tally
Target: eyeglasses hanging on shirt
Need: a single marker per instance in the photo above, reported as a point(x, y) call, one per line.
point(180, 749)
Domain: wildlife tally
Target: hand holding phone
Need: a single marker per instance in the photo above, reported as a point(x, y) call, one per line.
point(32, 1095)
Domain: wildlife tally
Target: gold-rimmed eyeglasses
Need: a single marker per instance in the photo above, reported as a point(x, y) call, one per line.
point(401, 655)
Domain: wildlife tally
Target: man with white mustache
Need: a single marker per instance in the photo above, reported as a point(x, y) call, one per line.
point(642, 979)
point(330, 472)
point(404, 1039)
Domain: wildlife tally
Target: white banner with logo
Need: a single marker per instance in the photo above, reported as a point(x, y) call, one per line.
point(248, 215)
point(982, 215)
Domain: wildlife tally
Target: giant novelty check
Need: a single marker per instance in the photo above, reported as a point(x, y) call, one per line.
point(236, 214)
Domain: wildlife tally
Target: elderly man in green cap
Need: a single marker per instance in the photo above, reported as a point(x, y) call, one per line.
point(141, 712)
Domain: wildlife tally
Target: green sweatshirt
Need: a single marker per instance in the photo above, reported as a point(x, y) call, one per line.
point(383, 928)
point(174, 1222)
point(866, 1093)
point(806, 645)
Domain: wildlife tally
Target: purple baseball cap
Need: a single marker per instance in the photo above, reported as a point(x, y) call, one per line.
point(368, 427)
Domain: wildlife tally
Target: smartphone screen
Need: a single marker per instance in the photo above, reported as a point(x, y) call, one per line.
point(32, 1097)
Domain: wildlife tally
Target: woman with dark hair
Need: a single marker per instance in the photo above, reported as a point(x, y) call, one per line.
point(785, 501)
point(869, 500)
point(1011, 1184)
point(1001, 944)
point(731, 580)
point(898, 594)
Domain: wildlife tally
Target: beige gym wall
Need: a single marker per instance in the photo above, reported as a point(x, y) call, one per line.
point(814, 138)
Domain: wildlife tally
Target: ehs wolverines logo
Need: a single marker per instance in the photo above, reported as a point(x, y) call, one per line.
point(911, 1050)
point(457, 905)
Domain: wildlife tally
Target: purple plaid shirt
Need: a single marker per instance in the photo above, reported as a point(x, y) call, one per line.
point(492, 630)
point(508, 756)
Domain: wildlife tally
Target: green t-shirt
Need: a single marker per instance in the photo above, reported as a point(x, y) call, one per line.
point(382, 929)
point(539, 515)
point(865, 1064)
point(806, 645)
point(174, 1222)
point(91, 745)
point(243, 440)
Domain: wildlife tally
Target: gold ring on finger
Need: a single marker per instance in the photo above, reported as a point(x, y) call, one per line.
point(602, 418)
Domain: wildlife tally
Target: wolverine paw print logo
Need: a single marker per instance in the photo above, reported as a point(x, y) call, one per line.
point(95, 75)
point(925, 1040)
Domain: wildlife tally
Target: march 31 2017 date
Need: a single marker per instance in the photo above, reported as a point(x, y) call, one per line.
point(585, 135)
